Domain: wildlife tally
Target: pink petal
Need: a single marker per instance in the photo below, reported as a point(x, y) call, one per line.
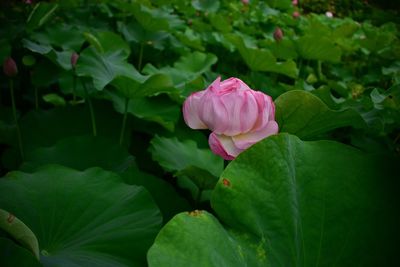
point(266, 108)
point(215, 85)
point(233, 85)
point(213, 113)
point(243, 141)
point(223, 145)
point(242, 112)
point(191, 111)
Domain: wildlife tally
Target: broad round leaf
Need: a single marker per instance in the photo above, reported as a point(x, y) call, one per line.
point(12, 255)
point(87, 218)
point(286, 202)
point(263, 59)
point(80, 153)
point(317, 47)
point(175, 155)
point(103, 68)
point(305, 115)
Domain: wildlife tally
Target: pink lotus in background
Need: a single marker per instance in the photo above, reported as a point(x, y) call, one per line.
point(74, 59)
point(296, 14)
point(10, 67)
point(278, 34)
point(295, 2)
point(237, 116)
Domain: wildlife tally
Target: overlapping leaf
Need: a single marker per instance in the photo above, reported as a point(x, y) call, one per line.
point(301, 113)
point(87, 218)
point(285, 202)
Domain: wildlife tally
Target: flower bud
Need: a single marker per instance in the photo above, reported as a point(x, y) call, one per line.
point(278, 34)
point(74, 59)
point(296, 14)
point(295, 2)
point(245, 2)
point(329, 14)
point(237, 116)
point(10, 67)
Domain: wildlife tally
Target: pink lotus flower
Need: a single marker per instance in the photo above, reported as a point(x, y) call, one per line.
point(237, 116)
point(295, 2)
point(329, 14)
point(10, 67)
point(278, 34)
point(296, 14)
point(74, 59)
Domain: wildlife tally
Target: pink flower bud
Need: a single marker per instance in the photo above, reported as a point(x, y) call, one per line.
point(329, 14)
point(10, 67)
point(295, 2)
point(296, 14)
point(74, 59)
point(245, 2)
point(278, 34)
point(237, 116)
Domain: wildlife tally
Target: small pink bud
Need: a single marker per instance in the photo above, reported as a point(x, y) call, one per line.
point(329, 14)
point(278, 34)
point(295, 2)
point(74, 59)
point(296, 14)
point(245, 2)
point(10, 67)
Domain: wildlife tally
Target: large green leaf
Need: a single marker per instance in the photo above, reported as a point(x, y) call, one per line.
point(61, 58)
point(134, 32)
point(206, 5)
point(152, 19)
point(186, 69)
point(12, 255)
point(175, 155)
point(80, 153)
point(262, 59)
point(60, 35)
point(103, 68)
point(318, 48)
point(163, 193)
point(287, 202)
point(45, 127)
point(87, 218)
point(305, 115)
point(132, 87)
point(158, 109)
point(18, 231)
point(40, 14)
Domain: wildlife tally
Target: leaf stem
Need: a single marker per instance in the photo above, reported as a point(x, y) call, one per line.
point(36, 98)
point(74, 88)
point(121, 137)
point(140, 57)
point(14, 109)
point(319, 69)
point(92, 115)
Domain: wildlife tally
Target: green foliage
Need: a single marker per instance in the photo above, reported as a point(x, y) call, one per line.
point(95, 219)
point(306, 116)
point(283, 202)
point(286, 202)
point(14, 255)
